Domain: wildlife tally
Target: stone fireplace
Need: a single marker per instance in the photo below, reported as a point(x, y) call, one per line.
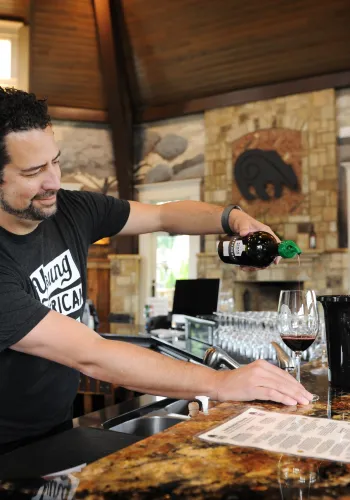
point(302, 130)
point(261, 296)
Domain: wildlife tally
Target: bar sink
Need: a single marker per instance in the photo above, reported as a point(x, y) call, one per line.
point(146, 426)
point(150, 420)
point(179, 407)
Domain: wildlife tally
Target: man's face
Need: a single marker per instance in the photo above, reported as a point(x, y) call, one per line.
point(32, 178)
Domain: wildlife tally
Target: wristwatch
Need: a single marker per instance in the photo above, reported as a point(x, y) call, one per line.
point(225, 218)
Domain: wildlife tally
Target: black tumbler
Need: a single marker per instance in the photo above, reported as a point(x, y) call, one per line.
point(337, 322)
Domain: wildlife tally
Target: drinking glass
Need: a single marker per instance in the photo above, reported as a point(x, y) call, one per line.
point(298, 322)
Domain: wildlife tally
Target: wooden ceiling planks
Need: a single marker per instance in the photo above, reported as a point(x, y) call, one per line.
point(190, 49)
point(65, 64)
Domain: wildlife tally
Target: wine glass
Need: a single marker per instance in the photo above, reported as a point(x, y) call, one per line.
point(298, 322)
point(296, 477)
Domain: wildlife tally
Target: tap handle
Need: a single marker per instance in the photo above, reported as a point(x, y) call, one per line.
point(215, 356)
point(285, 362)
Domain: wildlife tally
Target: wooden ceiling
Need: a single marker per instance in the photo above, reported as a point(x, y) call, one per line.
point(190, 49)
point(179, 51)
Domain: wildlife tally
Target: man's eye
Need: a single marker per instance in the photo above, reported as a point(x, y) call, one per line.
point(35, 173)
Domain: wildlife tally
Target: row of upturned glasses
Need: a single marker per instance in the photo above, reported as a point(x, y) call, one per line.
point(250, 334)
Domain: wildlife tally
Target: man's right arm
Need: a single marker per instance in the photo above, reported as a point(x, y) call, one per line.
point(66, 341)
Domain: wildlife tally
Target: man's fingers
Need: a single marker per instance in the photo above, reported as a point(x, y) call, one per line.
point(281, 377)
point(287, 389)
point(267, 229)
point(272, 395)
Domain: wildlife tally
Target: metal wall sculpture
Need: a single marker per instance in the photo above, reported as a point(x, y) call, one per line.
point(256, 168)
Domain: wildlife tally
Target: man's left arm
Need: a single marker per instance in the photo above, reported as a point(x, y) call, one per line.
point(187, 217)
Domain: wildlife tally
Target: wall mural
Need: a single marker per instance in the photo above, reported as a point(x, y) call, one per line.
point(169, 150)
point(87, 160)
point(266, 167)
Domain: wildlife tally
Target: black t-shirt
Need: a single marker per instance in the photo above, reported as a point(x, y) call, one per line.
point(40, 271)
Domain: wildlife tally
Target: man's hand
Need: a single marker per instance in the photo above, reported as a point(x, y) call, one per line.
point(260, 380)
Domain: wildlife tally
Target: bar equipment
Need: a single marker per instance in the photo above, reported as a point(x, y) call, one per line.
point(337, 323)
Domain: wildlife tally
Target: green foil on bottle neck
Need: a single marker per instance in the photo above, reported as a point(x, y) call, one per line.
point(288, 249)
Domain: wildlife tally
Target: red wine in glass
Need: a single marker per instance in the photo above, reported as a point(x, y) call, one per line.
point(296, 343)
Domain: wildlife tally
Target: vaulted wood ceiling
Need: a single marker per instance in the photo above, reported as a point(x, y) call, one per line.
point(177, 51)
point(189, 49)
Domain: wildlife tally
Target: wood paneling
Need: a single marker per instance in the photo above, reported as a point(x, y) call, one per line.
point(98, 279)
point(15, 9)
point(190, 49)
point(261, 93)
point(64, 63)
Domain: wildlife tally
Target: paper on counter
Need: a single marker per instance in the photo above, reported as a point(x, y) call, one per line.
point(285, 433)
point(58, 488)
point(66, 472)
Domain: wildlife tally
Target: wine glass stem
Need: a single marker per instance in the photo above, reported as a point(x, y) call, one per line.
point(297, 363)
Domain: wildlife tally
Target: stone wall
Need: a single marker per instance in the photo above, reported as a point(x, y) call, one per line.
point(302, 130)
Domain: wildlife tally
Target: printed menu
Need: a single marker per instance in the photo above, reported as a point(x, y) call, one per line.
point(285, 433)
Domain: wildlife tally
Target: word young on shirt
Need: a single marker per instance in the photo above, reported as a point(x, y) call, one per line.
point(54, 284)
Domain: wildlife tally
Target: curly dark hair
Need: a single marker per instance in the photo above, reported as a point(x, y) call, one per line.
point(19, 110)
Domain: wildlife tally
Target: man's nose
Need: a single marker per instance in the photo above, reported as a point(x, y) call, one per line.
point(52, 181)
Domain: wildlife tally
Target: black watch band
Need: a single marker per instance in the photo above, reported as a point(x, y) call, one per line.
point(225, 218)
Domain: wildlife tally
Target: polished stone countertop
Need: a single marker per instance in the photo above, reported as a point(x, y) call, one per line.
point(176, 464)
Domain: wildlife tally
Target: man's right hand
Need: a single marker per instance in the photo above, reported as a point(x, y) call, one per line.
point(260, 380)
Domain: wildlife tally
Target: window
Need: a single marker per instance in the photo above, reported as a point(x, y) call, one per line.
point(165, 258)
point(14, 55)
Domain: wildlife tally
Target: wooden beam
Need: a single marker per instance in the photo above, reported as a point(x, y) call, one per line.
point(78, 114)
point(118, 99)
point(236, 97)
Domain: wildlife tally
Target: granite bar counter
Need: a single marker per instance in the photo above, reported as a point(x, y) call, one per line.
point(176, 464)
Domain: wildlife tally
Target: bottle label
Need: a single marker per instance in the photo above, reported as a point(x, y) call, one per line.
point(312, 242)
point(225, 248)
point(238, 248)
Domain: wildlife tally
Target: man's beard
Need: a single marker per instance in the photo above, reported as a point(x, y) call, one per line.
point(29, 213)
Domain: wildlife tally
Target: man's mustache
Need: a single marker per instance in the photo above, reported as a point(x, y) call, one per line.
point(46, 194)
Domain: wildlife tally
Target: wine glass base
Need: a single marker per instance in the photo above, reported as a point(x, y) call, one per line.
point(323, 370)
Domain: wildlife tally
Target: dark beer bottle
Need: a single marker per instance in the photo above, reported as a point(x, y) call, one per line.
point(255, 250)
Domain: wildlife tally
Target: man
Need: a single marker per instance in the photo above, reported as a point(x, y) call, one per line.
point(45, 234)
